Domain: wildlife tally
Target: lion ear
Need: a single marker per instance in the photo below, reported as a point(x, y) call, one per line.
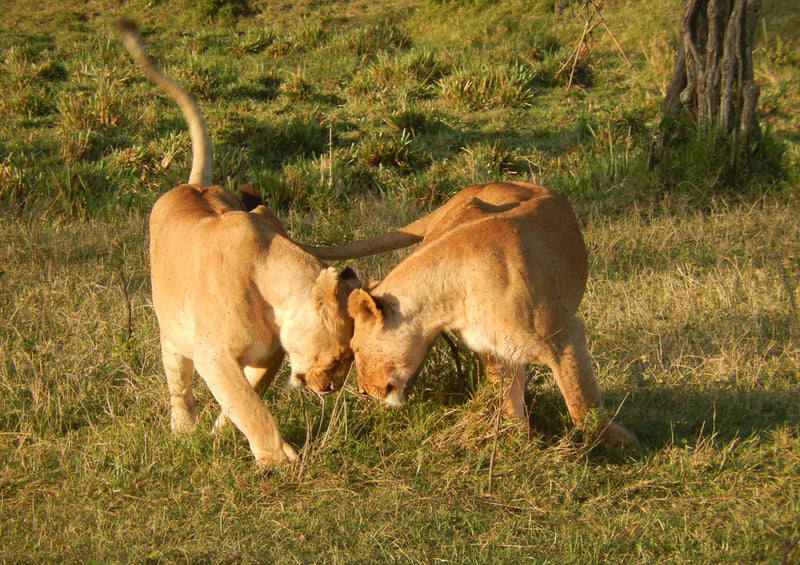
point(326, 300)
point(348, 277)
point(363, 307)
point(325, 285)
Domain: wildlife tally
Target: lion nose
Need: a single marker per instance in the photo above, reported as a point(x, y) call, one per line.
point(300, 377)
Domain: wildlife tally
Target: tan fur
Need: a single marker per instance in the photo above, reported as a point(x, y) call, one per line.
point(232, 294)
point(508, 276)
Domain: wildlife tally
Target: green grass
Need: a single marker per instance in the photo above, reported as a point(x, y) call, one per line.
point(352, 118)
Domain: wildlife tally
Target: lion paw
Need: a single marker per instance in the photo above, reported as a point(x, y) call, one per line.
point(290, 453)
point(617, 436)
point(181, 424)
point(276, 459)
point(221, 424)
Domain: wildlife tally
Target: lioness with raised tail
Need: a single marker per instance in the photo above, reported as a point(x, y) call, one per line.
point(504, 265)
point(232, 294)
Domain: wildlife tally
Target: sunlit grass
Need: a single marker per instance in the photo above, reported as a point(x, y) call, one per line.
point(351, 119)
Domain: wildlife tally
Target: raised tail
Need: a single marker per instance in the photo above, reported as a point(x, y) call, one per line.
point(201, 144)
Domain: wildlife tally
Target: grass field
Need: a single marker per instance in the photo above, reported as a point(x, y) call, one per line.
point(351, 118)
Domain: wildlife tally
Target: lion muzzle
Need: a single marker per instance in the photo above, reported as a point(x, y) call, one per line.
point(390, 393)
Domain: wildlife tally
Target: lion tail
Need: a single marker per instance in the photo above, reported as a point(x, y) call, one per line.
point(408, 235)
point(201, 144)
point(370, 246)
point(403, 237)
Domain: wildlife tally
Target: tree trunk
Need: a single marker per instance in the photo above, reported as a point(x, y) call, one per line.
point(712, 86)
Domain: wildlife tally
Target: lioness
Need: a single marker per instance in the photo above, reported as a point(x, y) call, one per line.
point(232, 293)
point(507, 273)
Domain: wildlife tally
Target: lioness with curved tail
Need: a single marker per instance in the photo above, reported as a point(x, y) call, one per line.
point(232, 294)
point(507, 273)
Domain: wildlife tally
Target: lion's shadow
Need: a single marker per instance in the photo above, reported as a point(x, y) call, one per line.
point(660, 414)
point(674, 415)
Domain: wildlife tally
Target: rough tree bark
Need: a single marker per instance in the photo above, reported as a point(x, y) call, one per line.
point(712, 84)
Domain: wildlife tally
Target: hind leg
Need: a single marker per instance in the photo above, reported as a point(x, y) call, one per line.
point(179, 369)
point(512, 377)
point(572, 367)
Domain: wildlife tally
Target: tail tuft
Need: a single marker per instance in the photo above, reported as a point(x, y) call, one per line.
point(126, 27)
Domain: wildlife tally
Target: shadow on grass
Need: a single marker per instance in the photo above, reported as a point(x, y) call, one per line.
point(682, 416)
point(659, 415)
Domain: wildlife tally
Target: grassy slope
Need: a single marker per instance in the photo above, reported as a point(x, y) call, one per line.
point(689, 307)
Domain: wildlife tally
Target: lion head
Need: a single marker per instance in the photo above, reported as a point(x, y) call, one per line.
point(319, 349)
point(387, 350)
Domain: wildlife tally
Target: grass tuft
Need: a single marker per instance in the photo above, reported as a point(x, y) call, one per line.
point(488, 87)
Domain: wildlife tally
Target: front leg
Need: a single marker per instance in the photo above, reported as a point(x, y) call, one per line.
point(259, 378)
point(512, 378)
point(242, 405)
